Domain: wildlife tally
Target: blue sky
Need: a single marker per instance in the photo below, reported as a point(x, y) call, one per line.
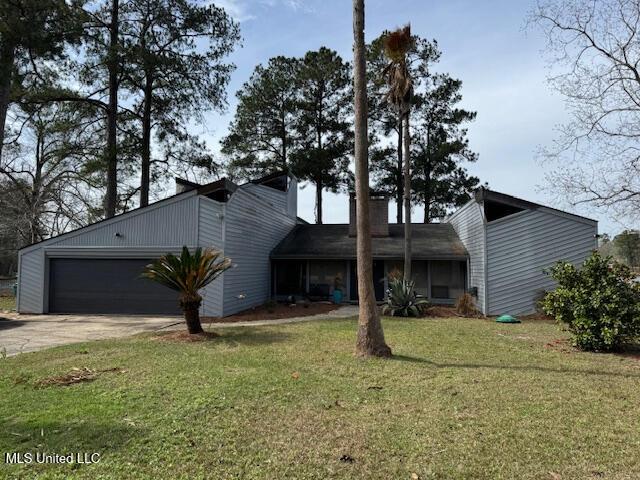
point(485, 44)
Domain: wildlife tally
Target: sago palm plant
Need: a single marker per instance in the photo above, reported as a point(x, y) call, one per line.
point(188, 274)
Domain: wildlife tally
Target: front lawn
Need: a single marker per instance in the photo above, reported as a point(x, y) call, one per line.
point(462, 399)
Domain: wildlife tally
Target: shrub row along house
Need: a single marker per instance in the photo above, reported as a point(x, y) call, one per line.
point(496, 247)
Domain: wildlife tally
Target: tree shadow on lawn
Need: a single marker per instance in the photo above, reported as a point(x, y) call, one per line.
point(529, 368)
point(108, 439)
point(250, 337)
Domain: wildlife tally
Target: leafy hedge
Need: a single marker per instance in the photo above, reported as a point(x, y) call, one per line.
point(599, 303)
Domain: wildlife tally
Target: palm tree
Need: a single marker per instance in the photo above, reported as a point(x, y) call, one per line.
point(396, 47)
point(370, 339)
point(188, 274)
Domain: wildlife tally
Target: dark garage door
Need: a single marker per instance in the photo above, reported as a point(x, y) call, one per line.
point(106, 286)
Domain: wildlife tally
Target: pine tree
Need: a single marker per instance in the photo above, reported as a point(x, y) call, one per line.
point(323, 125)
point(173, 62)
point(261, 136)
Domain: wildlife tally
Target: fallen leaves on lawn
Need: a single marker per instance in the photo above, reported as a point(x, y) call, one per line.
point(76, 375)
point(295, 375)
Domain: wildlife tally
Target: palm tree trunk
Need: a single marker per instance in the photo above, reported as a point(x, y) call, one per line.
point(191, 310)
point(399, 181)
point(407, 196)
point(370, 338)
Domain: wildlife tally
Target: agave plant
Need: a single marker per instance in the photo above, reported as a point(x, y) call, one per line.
point(402, 300)
point(188, 274)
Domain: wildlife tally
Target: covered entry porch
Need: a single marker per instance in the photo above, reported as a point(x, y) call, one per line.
point(441, 281)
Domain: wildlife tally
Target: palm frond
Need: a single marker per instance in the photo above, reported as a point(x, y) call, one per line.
point(187, 273)
point(397, 44)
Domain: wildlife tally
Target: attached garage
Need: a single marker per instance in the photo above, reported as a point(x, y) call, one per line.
point(107, 286)
point(96, 269)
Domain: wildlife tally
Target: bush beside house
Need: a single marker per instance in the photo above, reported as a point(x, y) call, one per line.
point(599, 303)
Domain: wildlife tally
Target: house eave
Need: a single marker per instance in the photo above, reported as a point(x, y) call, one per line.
point(375, 257)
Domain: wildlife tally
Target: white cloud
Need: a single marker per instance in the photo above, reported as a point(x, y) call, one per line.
point(236, 8)
point(245, 10)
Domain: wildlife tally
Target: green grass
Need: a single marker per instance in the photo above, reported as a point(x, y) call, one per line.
point(462, 399)
point(7, 303)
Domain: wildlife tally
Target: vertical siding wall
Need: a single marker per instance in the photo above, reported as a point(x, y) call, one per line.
point(30, 282)
point(520, 246)
point(171, 223)
point(253, 227)
point(275, 197)
point(210, 235)
point(468, 223)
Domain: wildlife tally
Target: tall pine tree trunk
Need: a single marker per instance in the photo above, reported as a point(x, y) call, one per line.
point(370, 338)
point(399, 181)
point(427, 193)
point(7, 58)
point(319, 201)
point(407, 196)
point(283, 139)
point(145, 168)
point(111, 198)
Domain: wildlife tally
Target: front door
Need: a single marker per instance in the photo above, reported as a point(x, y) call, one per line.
point(378, 280)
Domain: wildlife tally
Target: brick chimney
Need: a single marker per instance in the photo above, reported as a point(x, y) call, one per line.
point(378, 214)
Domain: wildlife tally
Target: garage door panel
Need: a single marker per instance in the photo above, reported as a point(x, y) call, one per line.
point(106, 286)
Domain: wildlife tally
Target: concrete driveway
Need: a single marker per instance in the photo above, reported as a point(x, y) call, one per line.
point(28, 333)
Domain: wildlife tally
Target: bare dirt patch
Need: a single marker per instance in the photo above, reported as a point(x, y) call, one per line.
point(277, 312)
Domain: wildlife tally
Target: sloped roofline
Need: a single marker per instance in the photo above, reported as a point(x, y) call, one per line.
point(483, 193)
point(194, 188)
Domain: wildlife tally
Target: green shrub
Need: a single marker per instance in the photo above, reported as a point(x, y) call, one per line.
point(402, 300)
point(599, 303)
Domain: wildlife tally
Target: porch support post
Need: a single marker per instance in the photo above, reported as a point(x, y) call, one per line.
point(386, 280)
point(428, 279)
point(307, 286)
point(274, 274)
point(347, 281)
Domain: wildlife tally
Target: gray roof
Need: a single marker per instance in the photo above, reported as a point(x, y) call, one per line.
point(429, 241)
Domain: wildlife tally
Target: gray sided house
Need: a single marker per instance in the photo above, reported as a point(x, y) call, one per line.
point(496, 246)
point(97, 269)
point(511, 241)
